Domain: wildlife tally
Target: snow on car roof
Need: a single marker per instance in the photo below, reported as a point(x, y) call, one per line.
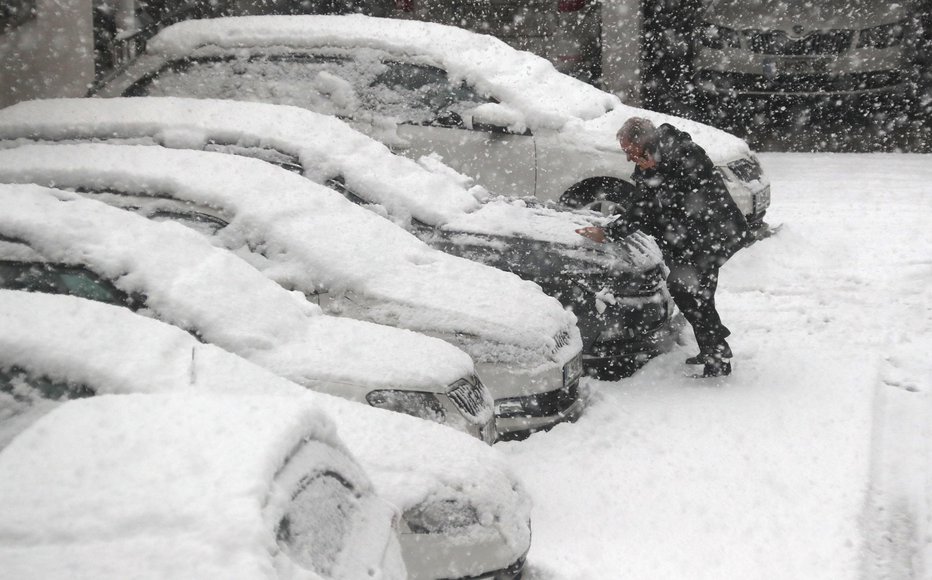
point(518, 79)
point(409, 460)
point(190, 283)
point(123, 470)
point(479, 301)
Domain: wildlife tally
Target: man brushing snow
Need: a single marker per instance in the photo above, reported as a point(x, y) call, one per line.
point(683, 203)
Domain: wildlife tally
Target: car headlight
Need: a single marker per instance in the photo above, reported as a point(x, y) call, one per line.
point(883, 36)
point(715, 36)
point(440, 516)
point(517, 407)
point(418, 404)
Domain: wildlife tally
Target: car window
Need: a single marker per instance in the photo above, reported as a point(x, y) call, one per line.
point(60, 279)
point(318, 523)
point(197, 221)
point(361, 87)
point(20, 390)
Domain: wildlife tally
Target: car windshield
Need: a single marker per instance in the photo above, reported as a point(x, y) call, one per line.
point(61, 279)
point(356, 88)
point(318, 523)
point(20, 390)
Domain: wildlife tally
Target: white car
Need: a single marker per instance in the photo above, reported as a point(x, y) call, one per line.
point(527, 348)
point(58, 242)
point(463, 512)
point(186, 486)
point(503, 116)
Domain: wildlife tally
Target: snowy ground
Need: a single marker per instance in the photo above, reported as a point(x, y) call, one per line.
point(813, 459)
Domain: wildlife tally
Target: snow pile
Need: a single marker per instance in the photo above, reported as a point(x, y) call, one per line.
point(410, 461)
point(291, 219)
point(520, 80)
point(83, 477)
point(195, 286)
point(464, 297)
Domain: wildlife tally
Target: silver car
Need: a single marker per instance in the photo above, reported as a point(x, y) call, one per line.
point(503, 116)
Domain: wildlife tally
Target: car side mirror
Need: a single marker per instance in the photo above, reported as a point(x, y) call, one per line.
point(496, 118)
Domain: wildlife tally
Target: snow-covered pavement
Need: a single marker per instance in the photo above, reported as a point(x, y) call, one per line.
point(813, 459)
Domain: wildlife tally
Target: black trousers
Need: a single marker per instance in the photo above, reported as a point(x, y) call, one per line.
point(693, 290)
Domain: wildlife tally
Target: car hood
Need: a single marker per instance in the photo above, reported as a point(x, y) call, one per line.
point(785, 14)
point(600, 134)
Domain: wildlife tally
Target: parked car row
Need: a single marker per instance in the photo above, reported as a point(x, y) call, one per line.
point(192, 247)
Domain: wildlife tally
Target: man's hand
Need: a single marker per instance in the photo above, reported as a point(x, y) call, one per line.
point(594, 233)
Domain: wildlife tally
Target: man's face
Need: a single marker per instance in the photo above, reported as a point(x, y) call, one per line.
point(637, 155)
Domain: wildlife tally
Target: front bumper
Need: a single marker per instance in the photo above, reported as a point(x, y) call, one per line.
point(436, 556)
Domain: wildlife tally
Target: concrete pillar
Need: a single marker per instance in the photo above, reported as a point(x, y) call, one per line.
point(51, 55)
point(621, 49)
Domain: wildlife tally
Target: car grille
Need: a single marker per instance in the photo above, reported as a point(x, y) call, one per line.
point(561, 339)
point(778, 42)
point(470, 399)
point(555, 402)
point(746, 169)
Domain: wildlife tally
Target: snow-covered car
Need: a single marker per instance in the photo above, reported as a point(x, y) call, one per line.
point(618, 295)
point(58, 242)
point(188, 486)
point(527, 348)
point(463, 512)
point(503, 116)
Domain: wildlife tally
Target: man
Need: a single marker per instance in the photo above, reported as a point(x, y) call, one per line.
point(683, 204)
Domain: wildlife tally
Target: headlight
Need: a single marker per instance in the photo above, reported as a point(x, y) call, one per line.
point(517, 407)
point(418, 404)
point(714, 36)
point(883, 36)
point(441, 516)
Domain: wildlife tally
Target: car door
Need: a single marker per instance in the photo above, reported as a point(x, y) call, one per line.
point(439, 120)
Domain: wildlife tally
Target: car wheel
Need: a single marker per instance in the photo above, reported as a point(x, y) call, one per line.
point(603, 195)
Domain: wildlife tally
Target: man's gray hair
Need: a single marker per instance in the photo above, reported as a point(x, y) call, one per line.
point(640, 132)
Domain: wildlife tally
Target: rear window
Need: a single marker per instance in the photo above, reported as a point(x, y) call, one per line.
point(60, 279)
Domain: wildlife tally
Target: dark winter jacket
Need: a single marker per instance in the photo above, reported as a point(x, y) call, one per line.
point(683, 203)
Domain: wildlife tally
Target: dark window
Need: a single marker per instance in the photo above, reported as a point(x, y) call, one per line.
point(61, 279)
point(13, 13)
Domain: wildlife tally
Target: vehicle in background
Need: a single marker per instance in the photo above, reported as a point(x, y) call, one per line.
point(463, 512)
point(58, 242)
point(112, 486)
point(504, 117)
point(565, 32)
point(527, 348)
point(843, 54)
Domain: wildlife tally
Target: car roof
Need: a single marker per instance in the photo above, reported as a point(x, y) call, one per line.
point(194, 285)
point(518, 79)
point(189, 470)
point(111, 348)
point(527, 85)
point(490, 305)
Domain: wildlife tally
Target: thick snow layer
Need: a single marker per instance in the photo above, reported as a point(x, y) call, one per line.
point(409, 460)
point(122, 471)
point(521, 80)
point(313, 237)
point(477, 300)
point(527, 87)
point(193, 285)
point(812, 460)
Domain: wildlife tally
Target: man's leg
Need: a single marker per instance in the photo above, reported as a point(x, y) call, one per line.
point(693, 291)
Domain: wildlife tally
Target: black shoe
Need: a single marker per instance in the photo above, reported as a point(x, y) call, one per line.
point(717, 368)
point(722, 351)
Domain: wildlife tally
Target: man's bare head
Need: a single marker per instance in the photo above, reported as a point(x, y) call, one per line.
point(638, 138)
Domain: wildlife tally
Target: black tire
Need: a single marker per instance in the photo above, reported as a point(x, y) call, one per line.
point(599, 194)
